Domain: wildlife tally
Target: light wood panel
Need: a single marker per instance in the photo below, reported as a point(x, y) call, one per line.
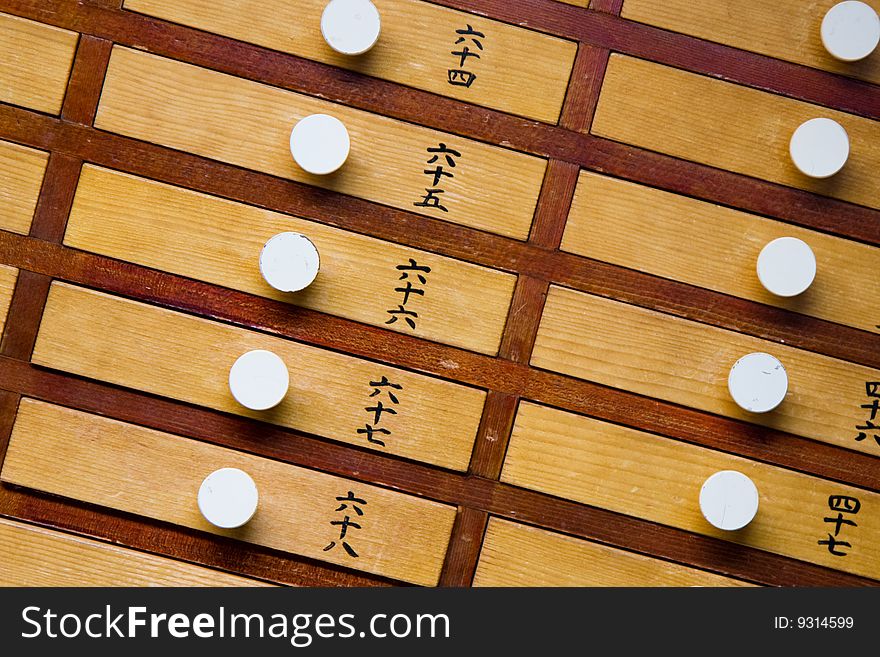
point(785, 29)
point(8, 276)
point(519, 555)
point(188, 358)
point(415, 47)
point(157, 475)
point(659, 479)
point(21, 176)
point(714, 247)
point(219, 241)
point(685, 362)
point(728, 126)
point(248, 124)
point(35, 61)
point(33, 556)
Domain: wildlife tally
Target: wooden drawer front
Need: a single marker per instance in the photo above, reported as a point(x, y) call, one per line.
point(717, 248)
point(219, 241)
point(33, 556)
point(659, 479)
point(8, 276)
point(129, 468)
point(728, 126)
point(519, 555)
point(35, 61)
point(248, 124)
point(785, 29)
point(188, 358)
point(415, 48)
point(21, 176)
point(685, 362)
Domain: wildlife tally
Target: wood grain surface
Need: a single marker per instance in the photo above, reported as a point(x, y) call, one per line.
point(157, 475)
point(33, 556)
point(21, 175)
point(715, 247)
point(787, 29)
point(519, 555)
point(35, 61)
point(415, 47)
point(207, 113)
point(729, 126)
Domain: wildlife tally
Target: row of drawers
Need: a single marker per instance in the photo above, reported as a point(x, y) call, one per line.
point(623, 223)
point(101, 461)
point(149, 473)
point(641, 103)
point(601, 340)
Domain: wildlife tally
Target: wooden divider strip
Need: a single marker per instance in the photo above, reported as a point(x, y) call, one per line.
point(86, 79)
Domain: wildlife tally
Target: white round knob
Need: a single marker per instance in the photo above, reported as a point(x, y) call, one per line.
point(258, 380)
point(786, 266)
point(850, 31)
point(757, 382)
point(228, 498)
point(319, 144)
point(289, 262)
point(351, 27)
point(729, 500)
point(819, 147)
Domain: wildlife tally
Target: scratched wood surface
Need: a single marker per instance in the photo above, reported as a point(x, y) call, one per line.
point(35, 61)
point(728, 126)
point(688, 363)
point(202, 123)
point(519, 555)
point(189, 358)
point(787, 29)
point(218, 241)
point(658, 479)
point(208, 113)
point(157, 475)
point(34, 556)
point(703, 244)
point(415, 47)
